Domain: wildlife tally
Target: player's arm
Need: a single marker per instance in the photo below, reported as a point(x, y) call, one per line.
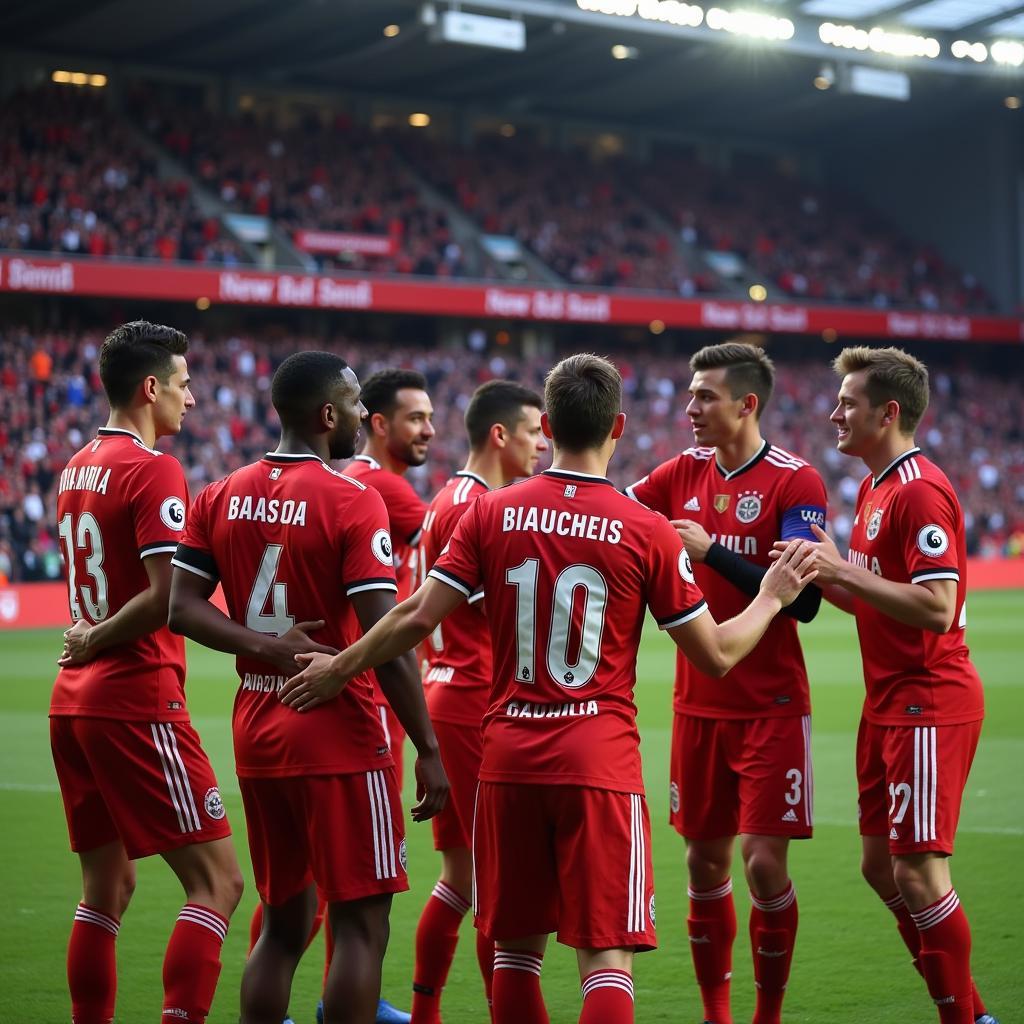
point(145, 613)
point(743, 574)
point(193, 615)
point(391, 636)
point(930, 604)
point(714, 647)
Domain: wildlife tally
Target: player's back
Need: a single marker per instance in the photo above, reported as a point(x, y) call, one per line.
point(119, 502)
point(291, 540)
point(569, 566)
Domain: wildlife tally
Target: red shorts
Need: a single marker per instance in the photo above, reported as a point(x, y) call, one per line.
point(394, 735)
point(565, 859)
point(148, 784)
point(343, 832)
point(731, 776)
point(461, 751)
point(911, 780)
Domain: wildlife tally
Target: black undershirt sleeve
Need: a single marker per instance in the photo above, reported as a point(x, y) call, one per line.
point(747, 576)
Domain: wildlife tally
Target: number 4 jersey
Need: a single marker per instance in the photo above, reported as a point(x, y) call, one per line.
point(119, 502)
point(569, 567)
point(290, 540)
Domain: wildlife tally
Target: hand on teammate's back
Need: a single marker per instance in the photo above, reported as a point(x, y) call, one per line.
point(315, 683)
point(791, 571)
point(297, 641)
point(431, 787)
point(76, 645)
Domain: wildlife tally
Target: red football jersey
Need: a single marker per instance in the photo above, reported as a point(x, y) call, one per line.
point(290, 540)
point(459, 650)
point(119, 502)
point(909, 528)
point(774, 496)
point(568, 565)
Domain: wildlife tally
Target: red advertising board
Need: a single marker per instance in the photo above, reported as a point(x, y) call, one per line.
point(176, 282)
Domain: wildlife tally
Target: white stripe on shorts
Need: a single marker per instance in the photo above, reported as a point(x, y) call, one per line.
point(178, 786)
point(384, 862)
point(636, 914)
point(808, 774)
point(925, 783)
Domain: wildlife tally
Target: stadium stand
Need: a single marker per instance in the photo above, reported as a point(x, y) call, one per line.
point(51, 402)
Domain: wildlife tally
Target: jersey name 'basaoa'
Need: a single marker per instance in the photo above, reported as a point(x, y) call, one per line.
point(458, 677)
point(568, 566)
point(774, 496)
point(290, 540)
point(909, 528)
point(119, 502)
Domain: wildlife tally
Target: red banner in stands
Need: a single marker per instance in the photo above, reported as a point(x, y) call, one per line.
point(441, 298)
point(344, 241)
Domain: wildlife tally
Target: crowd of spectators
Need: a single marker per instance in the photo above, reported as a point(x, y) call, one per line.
point(74, 179)
point(51, 403)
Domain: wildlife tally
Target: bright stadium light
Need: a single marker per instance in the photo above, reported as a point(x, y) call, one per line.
point(392, 30)
point(1012, 103)
point(964, 50)
point(758, 292)
point(879, 40)
point(750, 23)
point(61, 77)
point(1006, 51)
point(622, 52)
point(668, 12)
point(419, 120)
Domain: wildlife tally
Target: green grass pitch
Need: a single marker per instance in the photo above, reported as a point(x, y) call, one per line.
point(850, 966)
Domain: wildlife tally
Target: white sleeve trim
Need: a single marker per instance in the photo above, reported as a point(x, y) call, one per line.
point(477, 596)
point(454, 584)
point(192, 568)
point(168, 549)
point(945, 574)
point(685, 617)
point(372, 586)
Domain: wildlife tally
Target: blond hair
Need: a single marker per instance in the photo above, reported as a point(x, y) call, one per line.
point(892, 376)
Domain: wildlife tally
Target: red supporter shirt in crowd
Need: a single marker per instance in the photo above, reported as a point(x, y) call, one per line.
point(290, 540)
point(119, 502)
point(909, 528)
point(459, 650)
point(568, 565)
point(774, 496)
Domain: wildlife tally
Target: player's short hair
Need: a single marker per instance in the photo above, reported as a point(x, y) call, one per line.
point(134, 351)
point(748, 369)
point(892, 375)
point(497, 401)
point(304, 383)
point(380, 389)
point(582, 396)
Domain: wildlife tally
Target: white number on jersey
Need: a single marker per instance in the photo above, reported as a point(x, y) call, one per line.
point(86, 537)
point(277, 622)
point(901, 792)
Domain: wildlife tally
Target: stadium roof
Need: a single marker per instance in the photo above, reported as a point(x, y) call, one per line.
point(690, 79)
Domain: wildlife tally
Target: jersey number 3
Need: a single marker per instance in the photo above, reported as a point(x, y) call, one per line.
point(575, 583)
point(86, 537)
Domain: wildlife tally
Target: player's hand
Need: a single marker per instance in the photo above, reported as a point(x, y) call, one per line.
point(297, 641)
point(790, 572)
point(828, 562)
point(431, 787)
point(76, 645)
point(695, 538)
point(316, 683)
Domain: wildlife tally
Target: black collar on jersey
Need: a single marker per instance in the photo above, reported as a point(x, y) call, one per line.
point(121, 432)
point(875, 481)
point(472, 476)
point(369, 460)
point(287, 457)
point(749, 464)
point(570, 474)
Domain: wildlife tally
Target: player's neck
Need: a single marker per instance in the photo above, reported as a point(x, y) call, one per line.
point(380, 454)
point(593, 462)
point(487, 466)
point(137, 422)
point(888, 451)
point(294, 444)
point(738, 452)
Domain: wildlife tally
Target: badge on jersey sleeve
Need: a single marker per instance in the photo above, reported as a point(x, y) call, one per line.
point(686, 567)
point(381, 547)
point(172, 513)
point(932, 540)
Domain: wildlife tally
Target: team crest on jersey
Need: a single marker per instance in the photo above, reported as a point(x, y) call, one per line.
point(381, 547)
point(722, 502)
point(275, 473)
point(172, 513)
point(932, 540)
point(874, 524)
point(570, 491)
point(686, 566)
point(650, 908)
point(748, 507)
point(673, 797)
point(212, 803)
point(403, 857)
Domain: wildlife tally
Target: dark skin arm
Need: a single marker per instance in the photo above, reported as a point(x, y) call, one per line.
point(192, 614)
point(145, 613)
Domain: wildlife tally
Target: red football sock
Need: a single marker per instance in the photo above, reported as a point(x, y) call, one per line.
point(712, 928)
point(607, 998)
point(946, 958)
point(92, 966)
point(436, 939)
point(517, 995)
point(192, 964)
point(773, 924)
point(485, 958)
point(912, 940)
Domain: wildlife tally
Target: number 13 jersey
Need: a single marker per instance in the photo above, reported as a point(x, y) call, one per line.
point(569, 566)
point(290, 541)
